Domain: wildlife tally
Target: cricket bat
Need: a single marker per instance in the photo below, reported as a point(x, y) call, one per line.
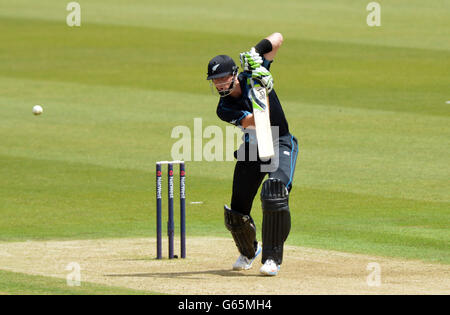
point(260, 103)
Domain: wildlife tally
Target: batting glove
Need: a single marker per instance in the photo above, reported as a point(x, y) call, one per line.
point(250, 60)
point(264, 76)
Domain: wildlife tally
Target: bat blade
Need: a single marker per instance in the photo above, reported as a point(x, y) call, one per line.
point(260, 103)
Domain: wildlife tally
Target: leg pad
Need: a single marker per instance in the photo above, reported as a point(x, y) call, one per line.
point(243, 230)
point(276, 219)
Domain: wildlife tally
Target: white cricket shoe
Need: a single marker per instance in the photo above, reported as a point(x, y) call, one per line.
point(243, 263)
point(270, 268)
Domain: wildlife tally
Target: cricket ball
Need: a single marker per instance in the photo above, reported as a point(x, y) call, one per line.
point(37, 110)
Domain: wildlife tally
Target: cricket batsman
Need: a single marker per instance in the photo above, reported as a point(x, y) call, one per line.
point(235, 107)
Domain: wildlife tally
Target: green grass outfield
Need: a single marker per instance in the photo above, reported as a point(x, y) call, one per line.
point(368, 106)
point(22, 284)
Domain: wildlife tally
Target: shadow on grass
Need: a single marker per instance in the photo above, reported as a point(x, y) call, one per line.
point(186, 274)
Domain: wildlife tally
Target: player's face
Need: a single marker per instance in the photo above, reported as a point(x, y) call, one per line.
point(223, 83)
